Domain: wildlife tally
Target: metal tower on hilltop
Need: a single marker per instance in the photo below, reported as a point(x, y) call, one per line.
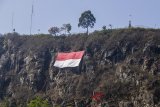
point(130, 25)
point(32, 10)
point(12, 23)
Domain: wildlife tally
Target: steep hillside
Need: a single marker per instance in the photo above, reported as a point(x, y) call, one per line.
point(124, 64)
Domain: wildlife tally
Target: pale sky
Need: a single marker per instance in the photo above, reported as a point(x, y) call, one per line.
point(48, 13)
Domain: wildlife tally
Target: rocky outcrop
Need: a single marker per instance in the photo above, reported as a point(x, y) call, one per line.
point(124, 64)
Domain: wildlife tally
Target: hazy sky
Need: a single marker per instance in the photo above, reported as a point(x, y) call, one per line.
point(49, 13)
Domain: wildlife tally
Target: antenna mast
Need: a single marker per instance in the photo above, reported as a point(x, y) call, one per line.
point(31, 18)
point(130, 25)
point(12, 21)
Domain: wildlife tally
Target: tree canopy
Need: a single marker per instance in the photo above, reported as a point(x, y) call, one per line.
point(54, 30)
point(67, 27)
point(87, 20)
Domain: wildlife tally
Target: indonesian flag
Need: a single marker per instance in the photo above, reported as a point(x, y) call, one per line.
point(71, 59)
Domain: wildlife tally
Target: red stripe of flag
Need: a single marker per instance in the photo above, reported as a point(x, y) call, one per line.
point(71, 55)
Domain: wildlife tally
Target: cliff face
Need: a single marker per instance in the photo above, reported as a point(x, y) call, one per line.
point(124, 64)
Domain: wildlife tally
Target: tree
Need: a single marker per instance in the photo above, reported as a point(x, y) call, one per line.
point(104, 27)
point(38, 102)
point(66, 27)
point(110, 26)
point(54, 30)
point(87, 20)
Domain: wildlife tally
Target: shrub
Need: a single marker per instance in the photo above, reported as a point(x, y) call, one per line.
point(4, 103)
point(38, 102)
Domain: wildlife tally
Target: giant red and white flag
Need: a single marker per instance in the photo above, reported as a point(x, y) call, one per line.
point(71, 59)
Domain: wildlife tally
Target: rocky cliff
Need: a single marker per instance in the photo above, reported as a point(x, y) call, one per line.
point(122, 63)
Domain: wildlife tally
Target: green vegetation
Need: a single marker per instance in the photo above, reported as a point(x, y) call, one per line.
point(67, 28)
point(87, 20)
point(38, 102)
point(54, 30)
point(104, 27)
point(4, 103)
